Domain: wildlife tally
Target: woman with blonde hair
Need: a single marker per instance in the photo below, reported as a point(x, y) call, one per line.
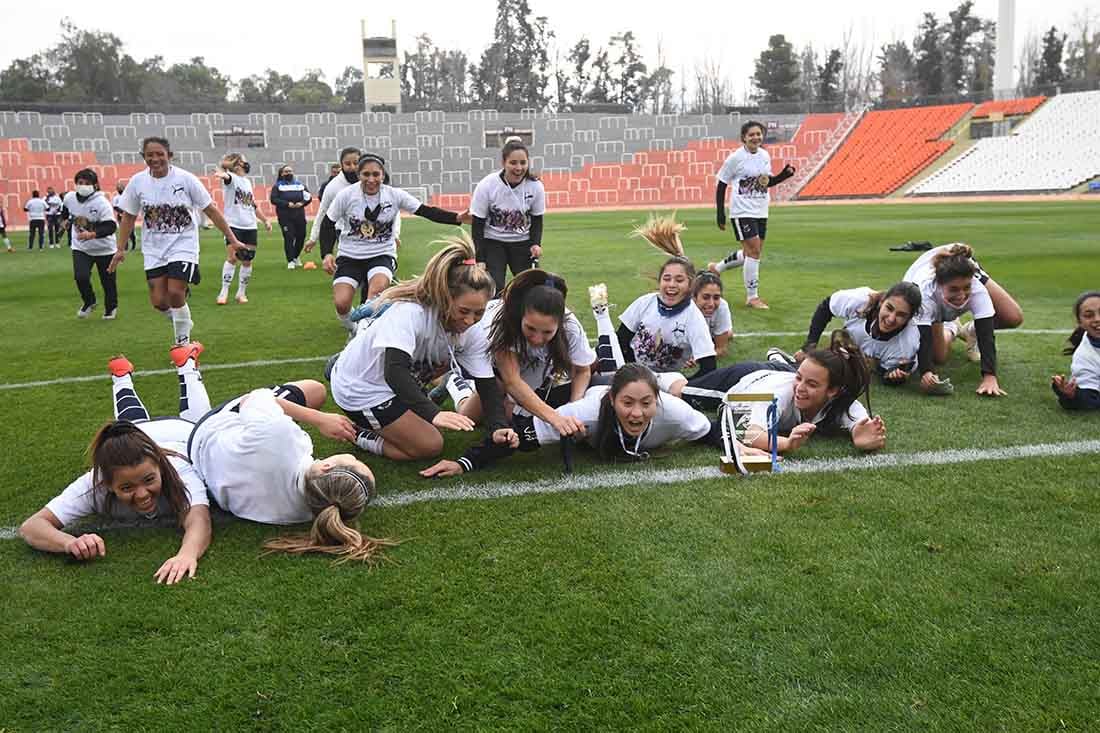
point(241, 214)
point(421, 328)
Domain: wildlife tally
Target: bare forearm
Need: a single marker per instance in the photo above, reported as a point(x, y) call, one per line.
point(125, 228)
point(196, 532)
point(300, 414)
point(219, 222)
point(41, 535)
point(582, 377)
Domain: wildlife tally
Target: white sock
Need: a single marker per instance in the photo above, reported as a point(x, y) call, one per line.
point(181, 323)
point(228, 268)
point(371, 442)
point(7, 242)
point(345, 321)
point(459, 389)
point(194, 401)
point(246, 276)
point(751, 276)
point(732, 260)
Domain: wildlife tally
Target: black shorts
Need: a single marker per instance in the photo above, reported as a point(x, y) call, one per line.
point(249, 237)
point(747, 228)
point(376, 418)
point(186, 271)
point(357, 273)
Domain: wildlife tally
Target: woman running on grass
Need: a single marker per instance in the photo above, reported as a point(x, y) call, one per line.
point(1082, 390)
point(367, 217)
point(422, 327)
point(241, 214)
point(139, 472)
point(92, 221)
point(880, 323)
point(747, 172)
point(165, 197)
point(951, 283)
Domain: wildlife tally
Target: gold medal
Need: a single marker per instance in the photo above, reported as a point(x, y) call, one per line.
point(366, 229)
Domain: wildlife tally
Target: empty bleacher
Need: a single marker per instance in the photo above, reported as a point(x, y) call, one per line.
point(886, 149)
point(1055, 149)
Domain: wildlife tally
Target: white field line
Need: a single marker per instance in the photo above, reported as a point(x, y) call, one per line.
point(642, 476)
point(309, 359)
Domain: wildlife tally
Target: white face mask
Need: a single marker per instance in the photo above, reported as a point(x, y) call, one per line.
point(85, 190)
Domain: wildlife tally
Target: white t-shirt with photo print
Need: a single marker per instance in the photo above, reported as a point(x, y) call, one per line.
point(740, 172)
point(898, 350)
point(369, 225)
point(83, 217)
point(667, 343)
point(507, 209)
point(167, 206)
point(358, 376)
point(240, 204)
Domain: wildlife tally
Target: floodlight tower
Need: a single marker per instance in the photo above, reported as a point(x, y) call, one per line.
point(1004, 86)
point(381, 72)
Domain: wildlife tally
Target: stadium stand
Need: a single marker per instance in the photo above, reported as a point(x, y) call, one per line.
point(1007, 107)
point(1055, 149)
point(885, 150)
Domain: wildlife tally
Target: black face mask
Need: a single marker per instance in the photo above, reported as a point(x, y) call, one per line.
point(247, 167)
point(351, 177)
point(286, 177)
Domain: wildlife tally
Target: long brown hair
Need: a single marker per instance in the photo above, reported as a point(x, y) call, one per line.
point(908, 292)
point(336, 497)
point(848, 370)
point(450, 272)
point(954, 262)
point(532, 290)
point(1074, 339)
point(122, 443)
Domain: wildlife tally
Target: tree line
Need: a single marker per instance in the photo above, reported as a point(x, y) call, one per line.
point(526, 66)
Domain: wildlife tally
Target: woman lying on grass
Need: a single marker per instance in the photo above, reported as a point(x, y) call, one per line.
point(819, 395)
point(1082, 390)
point(139, 472)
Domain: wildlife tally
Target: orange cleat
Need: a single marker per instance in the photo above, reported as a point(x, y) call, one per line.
point(756, 303)
point(222, 300)
point(120, 366)
point(242, 299)
point(181, 353)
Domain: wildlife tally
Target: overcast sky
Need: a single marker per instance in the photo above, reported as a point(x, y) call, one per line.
point(245, 38)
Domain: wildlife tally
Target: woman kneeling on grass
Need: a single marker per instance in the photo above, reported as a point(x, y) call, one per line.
point(624, 420)
point(139, 472)
point(1082, 390)
point(819, 395)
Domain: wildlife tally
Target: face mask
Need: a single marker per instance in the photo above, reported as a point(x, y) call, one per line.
point(85, 190)
point(351, 177)
point(247, 167)
point(286, 177)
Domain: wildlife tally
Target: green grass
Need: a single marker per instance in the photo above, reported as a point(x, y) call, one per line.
point(928, 598)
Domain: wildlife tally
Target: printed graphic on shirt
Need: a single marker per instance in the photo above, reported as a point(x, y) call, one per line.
point(659, 355)
point(243, 198)
point(368, 228)
point(750, 187)
point(509, 220)
point(167, 218)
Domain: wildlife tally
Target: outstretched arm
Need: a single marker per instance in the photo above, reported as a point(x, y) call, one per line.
point(42, 531)
point(196, 539)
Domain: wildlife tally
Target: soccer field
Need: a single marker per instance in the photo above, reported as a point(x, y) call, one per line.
point(941, 591)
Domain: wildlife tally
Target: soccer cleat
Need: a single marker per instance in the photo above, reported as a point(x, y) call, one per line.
point(110, 315)
point(756, 303)
point(779, 356)
point(85, 311)
point(181, 353)
point(438, 393)
point(222, 299)
point(942, 388)
point(973, 353)
point(309, 265)
point(367, 440)
point(120, 366)
point(290, 265)
point(597, 297)
point(242, 299)
point(297, 262)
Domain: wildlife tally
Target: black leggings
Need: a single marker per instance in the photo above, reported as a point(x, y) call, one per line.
point(499, 257)
point(293, 227)
point(53, 226)
point(82, 273)
point(37, 225)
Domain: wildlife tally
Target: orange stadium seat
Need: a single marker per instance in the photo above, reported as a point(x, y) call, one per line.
point(1008, 107)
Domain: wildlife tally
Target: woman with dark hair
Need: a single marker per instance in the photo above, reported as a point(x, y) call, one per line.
point(92, 233)
point(539, 347)
point(349, 174)
point(368, 218)
point(625, 420)
point(139, 472)
point(747, 172)
point(1082, 390)
point(507, 209)
point(706, 291)
point(819, 395)
point(879, 323)
point(166, 197)
point(290, 198)
point(951, 284)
